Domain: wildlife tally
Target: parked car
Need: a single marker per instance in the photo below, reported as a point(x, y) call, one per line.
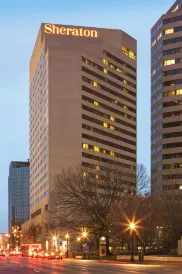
point(58, 255)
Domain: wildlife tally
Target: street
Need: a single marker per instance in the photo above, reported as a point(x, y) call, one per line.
point(29, 265)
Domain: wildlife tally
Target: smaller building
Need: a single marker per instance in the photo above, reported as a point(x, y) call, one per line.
point(18, 194)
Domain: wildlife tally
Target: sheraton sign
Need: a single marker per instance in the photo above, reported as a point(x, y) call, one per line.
point(53, 29)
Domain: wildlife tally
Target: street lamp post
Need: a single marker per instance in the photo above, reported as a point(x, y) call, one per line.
point(84, 235)
point(78, 240)
point(132, 227)
point(67, 237)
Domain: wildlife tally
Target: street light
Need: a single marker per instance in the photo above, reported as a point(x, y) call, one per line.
point(67, 237)
point(84, 235)
point(132, 227)
point(78, 240)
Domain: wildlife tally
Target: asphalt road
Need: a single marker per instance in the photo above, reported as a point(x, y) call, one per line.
point(31, 265)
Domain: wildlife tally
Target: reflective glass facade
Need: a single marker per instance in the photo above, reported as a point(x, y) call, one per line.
point(18, 193)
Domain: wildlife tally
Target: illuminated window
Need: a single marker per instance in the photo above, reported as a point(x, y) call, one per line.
point(179, 92)
point(96, 103)
point(112, 66)
point(105, 124)
point(120, 70)
point(98, 167)
point(169, 31)
point(105, 71)
point(125, 82)
point(112, 127)
point(169, 62)
point(96, 85)
point(96, 148)
point(129, 52)
point(112, 153)
point(86, 61)
point(105, 61)
point(180, 187)
point(104, 151)
point(97, 176)
point(85, 146)
point(170, 93)
point(125, 107)
point(84, 174)
point(112, 118)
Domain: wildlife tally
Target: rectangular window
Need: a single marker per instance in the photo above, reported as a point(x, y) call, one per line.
point(112, 153)
point(169, 31)
point(105, 61)
point(129, 52)
point(96, 85)
point(179, 92)
point(105, 124)
point(169, 62)
point(112, 118)
point(96, 103)
point(98, 167)
point(96, 148)
point(112, 127)
point(85, 146)
point(105, 71)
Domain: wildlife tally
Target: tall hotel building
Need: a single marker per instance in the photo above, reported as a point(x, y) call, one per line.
point(82, 104)
point(166, 100)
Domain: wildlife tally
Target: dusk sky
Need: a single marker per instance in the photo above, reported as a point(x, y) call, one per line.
point(19, 22)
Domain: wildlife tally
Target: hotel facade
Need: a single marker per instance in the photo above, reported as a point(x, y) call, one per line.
point(166, 100)
point(82, 104)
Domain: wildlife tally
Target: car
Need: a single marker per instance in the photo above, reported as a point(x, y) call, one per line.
point(13, 253)
point(58, 255)
point(49, 255)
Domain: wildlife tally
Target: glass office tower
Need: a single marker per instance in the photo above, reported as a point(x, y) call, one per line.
point(18, 194)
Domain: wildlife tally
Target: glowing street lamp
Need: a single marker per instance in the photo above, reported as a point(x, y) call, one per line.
point(132, 227)
point(67, 237)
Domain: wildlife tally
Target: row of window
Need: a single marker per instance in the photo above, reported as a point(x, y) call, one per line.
point(172, 82)
point(128, 52)
point(39, 199)
point(117, 60)
point(108, 152)
point(111, 100)
point(118, 69)
point(156, 160)
point(98, 94)
point(156, 59)
point(106, 71)
point(157, 79)
point(106, 125)
point(156, 29)
point(157, 89)
point(114, 84)
point(157, 69)
point(42, 178)
point(101, 105)
point(38, 190)
point(107, 116)
point(107, 143)
point(156, 140)
point(107, 161)
point(158, 108)
point(157, 149)
point(108, 134)
point(39, 173)
point(155, 100)
point(155, 130)
point(158, 118)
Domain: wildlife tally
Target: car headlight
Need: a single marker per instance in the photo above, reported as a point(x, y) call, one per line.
point(52, 253)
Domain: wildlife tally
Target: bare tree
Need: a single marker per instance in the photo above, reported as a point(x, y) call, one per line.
point(79, 201)
point(30, 235)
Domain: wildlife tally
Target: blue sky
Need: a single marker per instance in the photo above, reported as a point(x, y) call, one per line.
point(20, 21)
